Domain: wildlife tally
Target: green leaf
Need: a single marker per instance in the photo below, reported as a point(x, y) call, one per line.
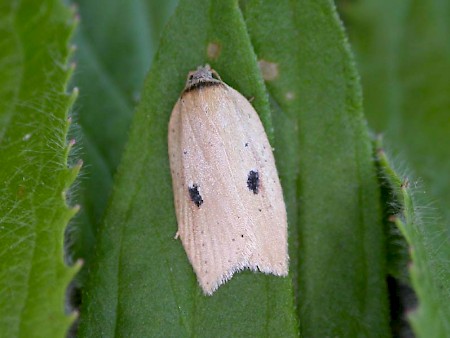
point(115, 43)
point(142, 283)
point(430, 255)
point(403, 57)
point(321, 135)
point(34, 174)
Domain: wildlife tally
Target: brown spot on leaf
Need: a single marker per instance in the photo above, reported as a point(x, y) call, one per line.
point(213, 50)
point(268, 69)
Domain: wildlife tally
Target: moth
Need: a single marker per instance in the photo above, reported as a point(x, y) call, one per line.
point(228, 198)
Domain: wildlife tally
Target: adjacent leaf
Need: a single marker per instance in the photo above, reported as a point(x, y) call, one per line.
point(402, 61)
point(33, 150)
point(403, 57)
point(142, 283)
point(115, 43)
point(322, 138)
point(430, 255)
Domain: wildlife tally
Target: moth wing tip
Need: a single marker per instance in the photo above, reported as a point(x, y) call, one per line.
point(209, 286)
point(279, 268)
point(208, 291)
point(283, 272)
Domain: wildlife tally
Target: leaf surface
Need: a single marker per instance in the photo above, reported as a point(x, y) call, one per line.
point(116, 41)
point(141, 283)
point(404, 57)
point(429, 253)
point(325, 160)
point(34, 171)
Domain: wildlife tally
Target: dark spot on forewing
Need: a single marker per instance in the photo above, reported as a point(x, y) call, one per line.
point(253, 181)
point(195, 195)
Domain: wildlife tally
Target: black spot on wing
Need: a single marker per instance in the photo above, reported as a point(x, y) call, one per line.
point(195, 195)
point(253, 181)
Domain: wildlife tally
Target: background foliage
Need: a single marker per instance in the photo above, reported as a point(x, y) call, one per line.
point(34, 173)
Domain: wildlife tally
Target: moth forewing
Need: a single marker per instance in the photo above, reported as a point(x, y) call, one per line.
point(228, 198)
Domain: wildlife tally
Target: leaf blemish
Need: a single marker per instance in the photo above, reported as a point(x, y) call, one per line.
point(289, 96)
point(269, 70)
point(213, 50)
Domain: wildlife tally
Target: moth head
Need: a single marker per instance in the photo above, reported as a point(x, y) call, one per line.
point(204, 75)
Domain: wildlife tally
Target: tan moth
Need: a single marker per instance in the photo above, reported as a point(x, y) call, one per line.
point(228, 198)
